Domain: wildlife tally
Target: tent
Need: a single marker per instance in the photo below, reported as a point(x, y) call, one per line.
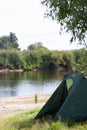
point(69, 100)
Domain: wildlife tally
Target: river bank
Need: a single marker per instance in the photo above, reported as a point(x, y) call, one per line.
point(14, 105)
point(9, 70)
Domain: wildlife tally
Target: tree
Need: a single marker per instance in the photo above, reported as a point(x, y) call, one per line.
point(68, 59)
point(37, 45)
point(31, 47)
point(71, 14)
point(4, 40)
point(13, 40)
point(9, 41)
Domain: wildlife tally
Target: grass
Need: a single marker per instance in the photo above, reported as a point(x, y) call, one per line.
point(26, 121)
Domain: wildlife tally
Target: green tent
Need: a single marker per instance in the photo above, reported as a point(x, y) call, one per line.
point(69, 101)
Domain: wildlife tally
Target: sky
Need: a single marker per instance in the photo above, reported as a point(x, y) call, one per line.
point(26, 19)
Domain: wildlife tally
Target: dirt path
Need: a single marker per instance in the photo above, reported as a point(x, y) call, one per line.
point(14, 105)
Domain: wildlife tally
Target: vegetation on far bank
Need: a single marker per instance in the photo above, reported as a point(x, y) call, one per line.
point(38, 57)
point(26, 121)
point(42, 58)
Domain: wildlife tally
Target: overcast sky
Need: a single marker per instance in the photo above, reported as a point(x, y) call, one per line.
point(26, 19)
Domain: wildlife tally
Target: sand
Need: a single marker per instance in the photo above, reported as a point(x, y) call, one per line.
point(13, 105)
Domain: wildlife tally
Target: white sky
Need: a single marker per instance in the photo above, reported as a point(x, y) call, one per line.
point(26, 19)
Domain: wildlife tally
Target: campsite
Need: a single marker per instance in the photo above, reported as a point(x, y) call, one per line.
point(70, 108)
point(43, 65)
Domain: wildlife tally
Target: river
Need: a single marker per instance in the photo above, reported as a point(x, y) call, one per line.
point(29, 83)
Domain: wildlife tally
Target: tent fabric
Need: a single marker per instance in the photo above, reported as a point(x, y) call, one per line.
point(68, 105)
point(55, 102)
point(75, 106)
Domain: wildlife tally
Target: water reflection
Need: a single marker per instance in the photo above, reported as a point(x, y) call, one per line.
point(29, 83)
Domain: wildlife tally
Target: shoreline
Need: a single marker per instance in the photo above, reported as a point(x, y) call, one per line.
point(13, 105)
point(9, 70)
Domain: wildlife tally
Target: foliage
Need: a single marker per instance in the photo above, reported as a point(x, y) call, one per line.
point(42, 58)
point(35, 59)
point(31, 59)
point(53, 59)
point(4, 40)
point(37, 56)
point(13, 41)
point(37, 45)
point(10, 59)
point(14, 60)
point(81, 60)
point(49, 60)
point(71, 14)
point(33, 55)
point(10, 41)
point(3, 59)
point(45, 60)
point(68, 59)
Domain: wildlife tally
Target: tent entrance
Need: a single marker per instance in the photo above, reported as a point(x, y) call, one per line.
point(69, 84)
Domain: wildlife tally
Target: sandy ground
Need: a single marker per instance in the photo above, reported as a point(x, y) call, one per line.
point(14, 105)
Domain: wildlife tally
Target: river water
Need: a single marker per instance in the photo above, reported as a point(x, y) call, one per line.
point(29, 83)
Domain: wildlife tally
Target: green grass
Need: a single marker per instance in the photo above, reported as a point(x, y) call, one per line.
point(26, 121)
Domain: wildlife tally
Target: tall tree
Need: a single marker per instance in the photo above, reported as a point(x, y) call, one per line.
point(13, 40)
point(9, 41)
point(71, 14)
